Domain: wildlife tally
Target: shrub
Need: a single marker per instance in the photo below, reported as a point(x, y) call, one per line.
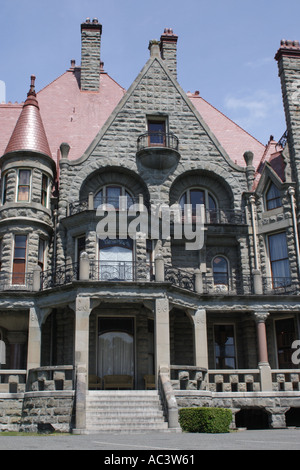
point(209, 420)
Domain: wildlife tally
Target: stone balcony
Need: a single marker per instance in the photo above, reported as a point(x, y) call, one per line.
point(158, 151)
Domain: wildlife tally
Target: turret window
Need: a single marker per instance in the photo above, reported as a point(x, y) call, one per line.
point(19, 261)
point(24, 181)
point(44, 191)
point(4, 188)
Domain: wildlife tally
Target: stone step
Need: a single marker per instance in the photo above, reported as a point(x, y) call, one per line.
point(124, 411)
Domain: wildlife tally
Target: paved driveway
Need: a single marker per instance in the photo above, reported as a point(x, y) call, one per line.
point(147, 444)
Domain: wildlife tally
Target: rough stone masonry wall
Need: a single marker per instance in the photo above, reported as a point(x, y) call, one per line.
point(37, 412)
point(153, 93)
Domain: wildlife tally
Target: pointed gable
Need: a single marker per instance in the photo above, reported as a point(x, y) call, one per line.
point(29, 133)
point(156, 93)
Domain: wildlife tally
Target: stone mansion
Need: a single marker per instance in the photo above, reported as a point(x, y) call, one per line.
point(86, 319)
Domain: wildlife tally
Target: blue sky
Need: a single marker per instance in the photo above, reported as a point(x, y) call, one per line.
point(226, 48)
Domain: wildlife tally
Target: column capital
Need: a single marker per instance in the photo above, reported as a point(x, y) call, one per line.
point(260, 317)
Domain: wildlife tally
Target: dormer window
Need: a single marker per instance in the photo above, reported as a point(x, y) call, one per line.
point(273, 198)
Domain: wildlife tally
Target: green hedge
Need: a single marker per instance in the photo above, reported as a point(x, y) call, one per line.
point(210, 420)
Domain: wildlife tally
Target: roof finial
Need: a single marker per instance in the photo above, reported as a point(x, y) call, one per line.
point(32, 86)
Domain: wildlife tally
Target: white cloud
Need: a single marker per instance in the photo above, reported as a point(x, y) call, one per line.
point(254, 111)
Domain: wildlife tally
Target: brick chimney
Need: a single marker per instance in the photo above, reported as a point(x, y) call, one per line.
point(168, 49)
point(90, 55)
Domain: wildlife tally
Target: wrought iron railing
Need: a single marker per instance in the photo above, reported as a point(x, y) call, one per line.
point(158, 139)
point(105, 270)
point(180, 277)
point(61, 276)
point(76, 207)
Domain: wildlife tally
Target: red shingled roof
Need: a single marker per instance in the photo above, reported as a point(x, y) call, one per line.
point(235, 140)
point(75, 116)
point(29, 132)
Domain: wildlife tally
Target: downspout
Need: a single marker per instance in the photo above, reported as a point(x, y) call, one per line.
point(291, 193)
point(252, 204)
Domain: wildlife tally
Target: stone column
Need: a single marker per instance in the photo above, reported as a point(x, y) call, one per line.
point(200, 338)
point(159, 268)
point(263, 361)
point(162, 334)
point(82, 314)
point(34, 340)
point(84, 267)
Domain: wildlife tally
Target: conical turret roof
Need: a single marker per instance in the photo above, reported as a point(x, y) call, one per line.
point(29, 133)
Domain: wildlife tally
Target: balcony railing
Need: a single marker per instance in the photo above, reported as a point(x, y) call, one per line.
point(61, 276)
point(76, 207)
point(121, 271)
point(141, 271)
point(157, 139)
point(180, 277)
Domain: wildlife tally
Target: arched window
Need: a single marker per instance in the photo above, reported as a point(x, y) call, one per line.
point(196, 196)
point(110, 194)
point(220, 271)
point(273, 198)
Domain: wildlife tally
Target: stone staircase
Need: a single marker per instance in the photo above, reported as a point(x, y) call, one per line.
point(124, 411)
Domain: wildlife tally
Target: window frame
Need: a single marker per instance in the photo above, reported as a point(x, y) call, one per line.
point(105, 198)
point(29, 185)
point(22, 273)
point(45, 191)
point(278, 260)
point(234, 346)
point(159, 135)
point(267, 200)
point(211, 214)
point(227, 272)
point(42, 243)
point(4, 188)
